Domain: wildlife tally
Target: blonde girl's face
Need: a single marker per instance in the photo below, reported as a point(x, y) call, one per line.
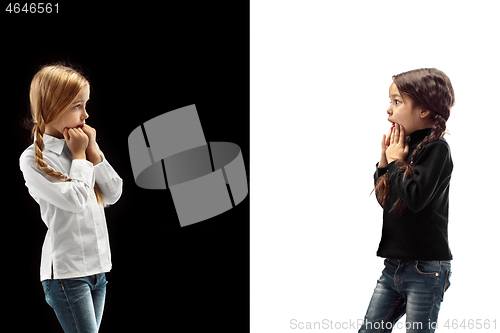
point(74, 116)
point(402, 111)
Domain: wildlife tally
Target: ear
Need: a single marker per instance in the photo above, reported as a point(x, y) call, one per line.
point(425, 114)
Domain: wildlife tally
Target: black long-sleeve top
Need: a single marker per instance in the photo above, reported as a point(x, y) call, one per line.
point(421, 231)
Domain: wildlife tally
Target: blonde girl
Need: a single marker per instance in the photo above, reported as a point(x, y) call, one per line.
point(71, 180)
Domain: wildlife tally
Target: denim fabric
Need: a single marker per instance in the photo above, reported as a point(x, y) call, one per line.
point(77, 302)
point(406, 286)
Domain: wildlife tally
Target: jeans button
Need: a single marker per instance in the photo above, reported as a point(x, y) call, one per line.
point(437, 274)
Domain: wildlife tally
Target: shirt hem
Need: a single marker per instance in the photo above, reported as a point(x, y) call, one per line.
point(74, 275)
point(413, 257)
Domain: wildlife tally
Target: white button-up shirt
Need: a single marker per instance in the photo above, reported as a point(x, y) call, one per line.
point(76, 243)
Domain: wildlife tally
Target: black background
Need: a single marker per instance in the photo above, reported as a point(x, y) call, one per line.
point(142, 60)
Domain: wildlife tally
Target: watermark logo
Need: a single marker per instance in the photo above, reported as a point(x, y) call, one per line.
point(357, 324)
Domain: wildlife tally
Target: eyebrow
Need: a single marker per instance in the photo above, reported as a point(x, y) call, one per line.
point(394, 95)
point(79, 101)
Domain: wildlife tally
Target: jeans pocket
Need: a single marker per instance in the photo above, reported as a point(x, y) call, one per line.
point(428, 268)
point(447, 282)
point(46, 287)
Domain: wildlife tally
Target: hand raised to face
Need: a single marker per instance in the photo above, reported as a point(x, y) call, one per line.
point(77, 142)
point(398, 148)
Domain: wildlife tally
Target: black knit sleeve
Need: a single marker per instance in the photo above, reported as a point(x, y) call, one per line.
point(379, 172)
point(432, 167)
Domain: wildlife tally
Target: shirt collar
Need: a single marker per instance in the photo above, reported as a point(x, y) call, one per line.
point(419, 135)
point(53, 144)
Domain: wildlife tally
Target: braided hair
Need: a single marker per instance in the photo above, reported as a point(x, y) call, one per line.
point(429, 89)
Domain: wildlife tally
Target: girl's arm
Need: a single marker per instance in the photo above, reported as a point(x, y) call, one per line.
point(70, 196)
point(386, 141)
point(108, 180)
point(433, 165)
point(382, 164)
point(106, 177)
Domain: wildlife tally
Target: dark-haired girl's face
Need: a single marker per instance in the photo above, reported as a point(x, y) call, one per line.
point(402, 111)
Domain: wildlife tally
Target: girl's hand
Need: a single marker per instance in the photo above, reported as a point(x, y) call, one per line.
point(398, 148)
point(91, 133)
point(92, 151)
point(386, 140)
point(77, 142)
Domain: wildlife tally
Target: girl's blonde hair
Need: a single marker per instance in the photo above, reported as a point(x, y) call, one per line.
point(52, 90)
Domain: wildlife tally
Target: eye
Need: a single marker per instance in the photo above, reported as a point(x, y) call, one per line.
point(78, 106)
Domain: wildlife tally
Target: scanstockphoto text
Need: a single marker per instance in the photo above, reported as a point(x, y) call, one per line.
point(355, 324)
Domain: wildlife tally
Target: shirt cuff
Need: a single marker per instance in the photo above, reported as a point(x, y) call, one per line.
point(391, 167)
point(104, 172)
point(82, 170)
point(380, 171)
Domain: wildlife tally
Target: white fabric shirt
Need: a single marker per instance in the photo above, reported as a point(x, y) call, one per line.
point(76, 243)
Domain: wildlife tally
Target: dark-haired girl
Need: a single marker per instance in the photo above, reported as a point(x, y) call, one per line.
point(412, 186)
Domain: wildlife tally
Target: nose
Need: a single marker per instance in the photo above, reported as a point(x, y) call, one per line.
point(85, 115)
point(389, 112)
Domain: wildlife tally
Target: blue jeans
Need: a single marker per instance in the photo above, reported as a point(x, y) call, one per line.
point(412, 287)
point(77, 302)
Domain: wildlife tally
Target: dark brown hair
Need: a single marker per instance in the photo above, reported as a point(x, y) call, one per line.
point(430, 89)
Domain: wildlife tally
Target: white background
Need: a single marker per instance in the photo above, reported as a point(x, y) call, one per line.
point(320, 76)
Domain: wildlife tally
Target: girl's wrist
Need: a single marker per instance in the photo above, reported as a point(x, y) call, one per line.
point(80, 156)
point(94, 156)
point(390, 160)
point(92, 145)
point(383, 162)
